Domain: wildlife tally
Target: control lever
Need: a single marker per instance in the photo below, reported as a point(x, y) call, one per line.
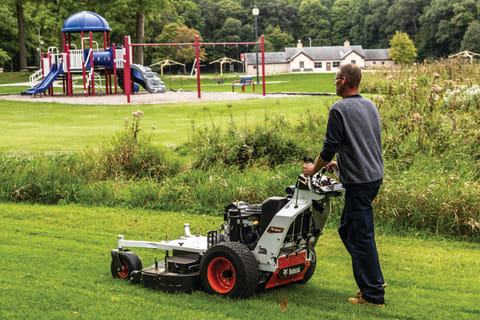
point(335, 171)
point(307, 160)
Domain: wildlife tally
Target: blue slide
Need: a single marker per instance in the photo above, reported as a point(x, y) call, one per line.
point(48, 80)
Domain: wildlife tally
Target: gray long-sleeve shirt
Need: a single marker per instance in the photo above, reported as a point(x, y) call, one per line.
point(354, 133)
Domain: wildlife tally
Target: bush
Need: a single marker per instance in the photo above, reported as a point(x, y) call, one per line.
point(125, 157)
point(270, 143)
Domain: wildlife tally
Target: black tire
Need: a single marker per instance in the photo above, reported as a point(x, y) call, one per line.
point(130, 262)
point(229, 269)
point(311, 268)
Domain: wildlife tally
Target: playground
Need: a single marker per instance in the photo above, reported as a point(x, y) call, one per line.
point(110, 69)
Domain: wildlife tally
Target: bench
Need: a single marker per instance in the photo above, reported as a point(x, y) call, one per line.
point(244, 81)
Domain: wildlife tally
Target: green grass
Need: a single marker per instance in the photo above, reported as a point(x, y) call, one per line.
point(14, 77)
point(33, 127)
point(306, 82)
point(56, 265)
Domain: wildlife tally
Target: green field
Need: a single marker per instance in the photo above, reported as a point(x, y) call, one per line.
point(40, 126)
point(56, 265)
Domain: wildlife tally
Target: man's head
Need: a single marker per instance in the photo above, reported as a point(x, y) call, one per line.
point(347, 80)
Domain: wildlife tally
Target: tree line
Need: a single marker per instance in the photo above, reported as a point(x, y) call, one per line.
point(437, 27)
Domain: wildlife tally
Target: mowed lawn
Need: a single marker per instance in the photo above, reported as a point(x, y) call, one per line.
point(51, 127)
point(56, 265)
point(305, 82)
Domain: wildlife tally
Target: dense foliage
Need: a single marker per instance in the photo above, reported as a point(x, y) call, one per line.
point(438, 27)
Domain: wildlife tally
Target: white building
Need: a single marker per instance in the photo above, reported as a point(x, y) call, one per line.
point(317, 59)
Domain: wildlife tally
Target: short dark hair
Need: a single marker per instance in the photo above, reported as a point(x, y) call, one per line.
point(352, 73)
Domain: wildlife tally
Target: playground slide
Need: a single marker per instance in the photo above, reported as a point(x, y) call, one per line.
point(147, 79)
point(47, 81)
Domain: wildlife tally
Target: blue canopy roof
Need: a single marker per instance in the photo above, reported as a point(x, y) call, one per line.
point(86, 21)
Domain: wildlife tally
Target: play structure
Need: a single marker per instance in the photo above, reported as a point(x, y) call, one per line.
point(97, 65)
point(108, 67)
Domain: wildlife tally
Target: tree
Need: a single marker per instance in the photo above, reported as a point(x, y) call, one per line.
point(402, 50)
point(403, 15)
point(8, 31)
point(444, 23)
point(277, 38)
point(4, 57)
point(471, 39)
point(314, 25)
point(179, 34)
point(341, 25)
point(375, 24)
point(21, 36)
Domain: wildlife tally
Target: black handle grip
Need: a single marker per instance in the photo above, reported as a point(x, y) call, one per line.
point(307, 160)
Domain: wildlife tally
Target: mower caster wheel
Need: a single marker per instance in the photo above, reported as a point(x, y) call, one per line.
point(229, 269)
point(130, 262)
point(311, 268)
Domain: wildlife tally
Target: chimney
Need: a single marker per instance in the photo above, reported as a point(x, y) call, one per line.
point(346, 43)
point(299, 44)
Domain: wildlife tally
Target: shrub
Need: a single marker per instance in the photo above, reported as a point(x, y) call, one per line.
point(129, 156)
point(269, 143)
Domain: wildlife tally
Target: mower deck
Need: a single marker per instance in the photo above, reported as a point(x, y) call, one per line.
point(181, 274)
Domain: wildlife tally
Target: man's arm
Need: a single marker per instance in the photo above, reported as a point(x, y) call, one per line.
point(331, 144)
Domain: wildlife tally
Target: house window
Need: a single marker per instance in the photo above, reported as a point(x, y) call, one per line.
point(335, 64)
point(352, 61)
point(301, 64)
point(383, 62)
point(374, 62)
point(318, 64)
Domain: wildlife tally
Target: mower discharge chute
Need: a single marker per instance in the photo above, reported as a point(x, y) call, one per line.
point(258, 246)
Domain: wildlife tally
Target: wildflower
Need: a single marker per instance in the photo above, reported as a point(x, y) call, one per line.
point(126, 120)
point(138, 114)
point(417, 117)
point(390, 77)
point(379, 99)
point(153, 127)
point(436, 75)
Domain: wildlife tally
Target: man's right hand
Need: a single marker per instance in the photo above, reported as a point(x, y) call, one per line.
point(332, 165)
point(309, 169)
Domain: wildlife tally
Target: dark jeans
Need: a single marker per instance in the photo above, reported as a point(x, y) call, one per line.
point(357, 233)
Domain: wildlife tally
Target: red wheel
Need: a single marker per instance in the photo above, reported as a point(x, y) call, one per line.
point(125, 270)
point(130, 262)
point(221, 275)
point(229, 269)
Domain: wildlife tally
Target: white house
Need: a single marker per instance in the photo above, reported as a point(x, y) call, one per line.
point(317, 59)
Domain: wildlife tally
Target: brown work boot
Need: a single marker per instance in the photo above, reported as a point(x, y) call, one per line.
point(360, 300)
point(359, 293)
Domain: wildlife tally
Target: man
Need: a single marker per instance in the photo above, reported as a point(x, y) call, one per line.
point(354, 134)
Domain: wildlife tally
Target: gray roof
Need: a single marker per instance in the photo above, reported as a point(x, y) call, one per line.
point(270, 57)
point(377, 54)
point(324, 53)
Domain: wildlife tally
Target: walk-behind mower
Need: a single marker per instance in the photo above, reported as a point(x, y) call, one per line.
point(258, 246)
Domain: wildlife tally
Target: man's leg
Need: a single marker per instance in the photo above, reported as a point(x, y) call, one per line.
point(359, 232)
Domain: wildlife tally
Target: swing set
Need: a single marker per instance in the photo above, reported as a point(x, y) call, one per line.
point(197, 44)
